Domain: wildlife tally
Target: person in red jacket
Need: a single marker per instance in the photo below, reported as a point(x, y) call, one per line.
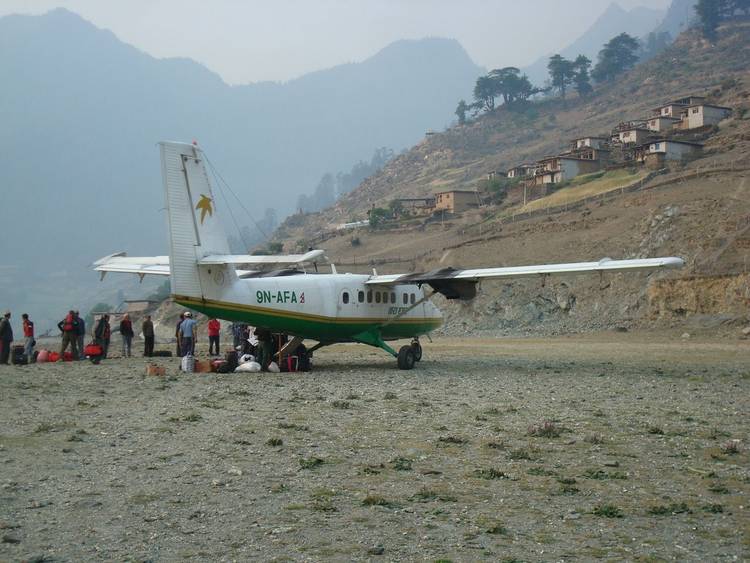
point(69, 328)
point(214, 329)
point(28, 337)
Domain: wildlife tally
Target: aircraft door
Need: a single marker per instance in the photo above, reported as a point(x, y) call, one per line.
point(345, 304)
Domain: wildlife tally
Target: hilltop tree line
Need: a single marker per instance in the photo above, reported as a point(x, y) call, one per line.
point(712, 12)
point(512, 88)
point(331, 187)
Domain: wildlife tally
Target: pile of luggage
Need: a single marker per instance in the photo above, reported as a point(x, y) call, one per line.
point(233, 362)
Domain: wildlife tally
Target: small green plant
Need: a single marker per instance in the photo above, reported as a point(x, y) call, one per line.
point(566, 480)
point(655, 430)
point(497, 530)
point(607, 511)
point(389, 396)
point(594, 439)
point(540, 471)
point(496, 445)
point(192, 417)
point(490, 473)
point(546, 429)
point(425, 495)
point(664, 510)
point(713, 508)
point(376, 500)
point(600, 475)
point(341, 404)
point(520, 454)
point(452, 440)
point(310, 463)
point(719, 489)
point(274, 442)
point(401, 464)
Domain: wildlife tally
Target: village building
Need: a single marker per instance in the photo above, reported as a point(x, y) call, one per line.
point(556, 169)
point(676, 107)
point(456, 201)
point(590, 142)
point(522, 171)
point(634, 135)
point(661, 123)
point(700, 115)
point(656, 153)
point(136, 306)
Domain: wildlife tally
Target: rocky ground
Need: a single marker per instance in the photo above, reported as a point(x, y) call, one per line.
point(616, 446)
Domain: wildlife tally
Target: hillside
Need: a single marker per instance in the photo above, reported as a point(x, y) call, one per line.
point(82, 111)
point(704, 218)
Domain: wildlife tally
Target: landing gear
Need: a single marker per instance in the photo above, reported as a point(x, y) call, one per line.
point(417, 348)
point(406, 357)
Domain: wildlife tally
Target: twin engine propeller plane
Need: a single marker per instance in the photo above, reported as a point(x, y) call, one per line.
point(327, 308)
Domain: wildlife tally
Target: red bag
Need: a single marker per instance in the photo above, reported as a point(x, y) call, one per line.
point(53, 357)
point(93, 350)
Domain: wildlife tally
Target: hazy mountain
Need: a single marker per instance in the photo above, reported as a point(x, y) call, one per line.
point(82, 111)
point(678, 17)
point(615, 20)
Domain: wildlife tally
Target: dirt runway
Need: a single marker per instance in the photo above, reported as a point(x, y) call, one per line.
point(613, 446)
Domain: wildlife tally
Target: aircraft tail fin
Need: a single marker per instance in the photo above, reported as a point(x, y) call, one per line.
point(195, 230)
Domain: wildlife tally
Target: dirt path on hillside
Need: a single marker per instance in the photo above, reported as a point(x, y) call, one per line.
point(620, 446)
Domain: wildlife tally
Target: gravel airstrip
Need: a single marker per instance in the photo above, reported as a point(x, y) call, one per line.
point(608, 446)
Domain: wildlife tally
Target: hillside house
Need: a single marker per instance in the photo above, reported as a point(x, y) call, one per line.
point(662, 123)
point(673, 150)
point(700, 115)
point(676, 107)
point(556, 169)
point(522, 171)
point(456, 201)
point(590, 142)
point(635, 135)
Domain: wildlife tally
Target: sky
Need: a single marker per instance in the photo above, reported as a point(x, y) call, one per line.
point(257, 40)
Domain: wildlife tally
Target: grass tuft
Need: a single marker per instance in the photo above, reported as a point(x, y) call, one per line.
point(546, 429)
point(607, 511)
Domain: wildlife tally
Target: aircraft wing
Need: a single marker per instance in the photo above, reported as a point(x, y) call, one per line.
point(461, 284)
point(159, 265)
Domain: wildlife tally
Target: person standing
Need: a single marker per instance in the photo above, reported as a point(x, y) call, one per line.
point(148, 336)
point(6, 338)
point(28, 337)
point(102, 334)
point(81, 335)
point(69, 328)
point(188, 334)
point(126, 331)
point(214, 330)
point(178, 335)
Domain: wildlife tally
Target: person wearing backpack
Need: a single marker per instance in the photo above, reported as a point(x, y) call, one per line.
point(102, 334)
point(126, 331)
point(69, 328)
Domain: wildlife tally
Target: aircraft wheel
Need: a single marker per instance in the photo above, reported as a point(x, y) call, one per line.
point(406, 357)
point(417, 348)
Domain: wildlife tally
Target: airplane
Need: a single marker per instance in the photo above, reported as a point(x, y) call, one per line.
point(296, 299)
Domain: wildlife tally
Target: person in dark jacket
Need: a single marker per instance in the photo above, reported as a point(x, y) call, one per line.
point(148, 336)
point(102, 333)
point(178, 336)
point(6, 338)
point(126, 331)
point(81, 334)
point(69, 328)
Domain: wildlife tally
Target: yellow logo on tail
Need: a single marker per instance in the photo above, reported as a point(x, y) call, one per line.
point(205, 206)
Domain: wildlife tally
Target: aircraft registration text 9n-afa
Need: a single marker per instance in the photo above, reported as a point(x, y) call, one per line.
point(283, 293)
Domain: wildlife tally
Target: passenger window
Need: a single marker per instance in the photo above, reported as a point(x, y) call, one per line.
point(377, 297)
point(413, 300)
point(361, 297)
point(393, 298)
point(406, 298)
point(385, 297)
point(345, 297)
point(369, 296)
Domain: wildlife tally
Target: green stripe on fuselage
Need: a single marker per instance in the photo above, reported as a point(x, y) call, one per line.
point(315, 327)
